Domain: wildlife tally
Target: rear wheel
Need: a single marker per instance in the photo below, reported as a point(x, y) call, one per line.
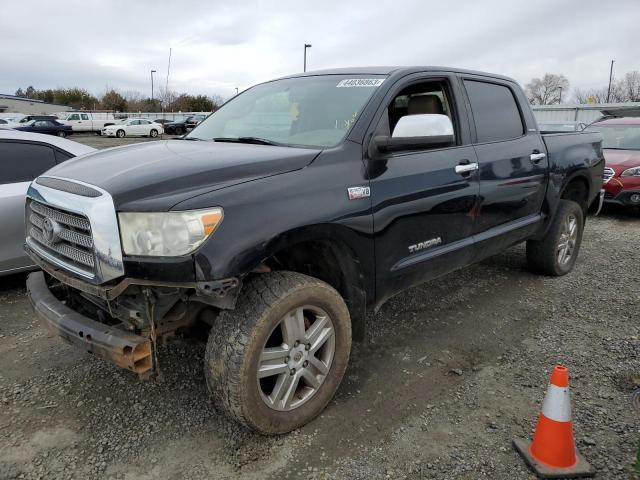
point(153, 133)
point(179, 131)
point(120, 133)
point(557, 252)
point(276, 361)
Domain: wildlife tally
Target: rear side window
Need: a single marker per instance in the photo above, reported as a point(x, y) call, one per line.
point(495, 111)
point(22, 162)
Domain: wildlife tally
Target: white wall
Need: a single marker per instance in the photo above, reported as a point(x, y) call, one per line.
point(576, 113)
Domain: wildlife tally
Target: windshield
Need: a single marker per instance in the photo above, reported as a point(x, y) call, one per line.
point(315, 111)
point(618, 137)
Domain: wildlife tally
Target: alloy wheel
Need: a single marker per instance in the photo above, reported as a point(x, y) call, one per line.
point(296, 358)
point(568, 239)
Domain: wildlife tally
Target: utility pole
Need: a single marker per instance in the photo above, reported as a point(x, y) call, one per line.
point(306, 45)
point(610, 77)
point(560, 97)
point(152, 102)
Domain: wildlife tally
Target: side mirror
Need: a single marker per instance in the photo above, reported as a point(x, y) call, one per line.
point(414, 132)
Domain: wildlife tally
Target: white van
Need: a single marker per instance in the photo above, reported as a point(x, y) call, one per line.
point(87, 121)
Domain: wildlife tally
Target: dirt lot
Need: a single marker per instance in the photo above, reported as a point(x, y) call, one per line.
point(450, 373)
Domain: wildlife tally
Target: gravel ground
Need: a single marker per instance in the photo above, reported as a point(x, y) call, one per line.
point(450, 373)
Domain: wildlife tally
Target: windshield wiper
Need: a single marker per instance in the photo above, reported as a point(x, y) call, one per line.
point(253, 140)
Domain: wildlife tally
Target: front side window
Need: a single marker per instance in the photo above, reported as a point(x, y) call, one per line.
point(315, 111)
point(75, 116)
point(418, 99)
point(618, 137)
point(495, 111)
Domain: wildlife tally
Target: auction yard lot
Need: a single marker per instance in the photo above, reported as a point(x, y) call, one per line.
point(450, 373)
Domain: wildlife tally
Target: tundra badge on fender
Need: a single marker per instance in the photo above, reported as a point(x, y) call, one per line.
point(356, 193)
point(426, 244)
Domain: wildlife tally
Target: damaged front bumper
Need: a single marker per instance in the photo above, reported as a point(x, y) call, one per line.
point(125, 349)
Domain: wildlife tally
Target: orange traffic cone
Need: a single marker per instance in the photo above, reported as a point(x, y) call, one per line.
point(552, 453)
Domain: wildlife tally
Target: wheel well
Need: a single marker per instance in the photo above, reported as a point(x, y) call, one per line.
point(332, 262)
point(577, 190)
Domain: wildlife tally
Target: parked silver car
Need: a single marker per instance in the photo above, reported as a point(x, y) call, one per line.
point(24, 156)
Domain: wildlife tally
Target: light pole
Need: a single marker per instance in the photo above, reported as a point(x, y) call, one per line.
point(560, 96)
point(152, 102)
point(306, 45)
point(236, 90)
point(610, 77)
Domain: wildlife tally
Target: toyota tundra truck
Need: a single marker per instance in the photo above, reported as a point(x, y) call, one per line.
point(286, 216)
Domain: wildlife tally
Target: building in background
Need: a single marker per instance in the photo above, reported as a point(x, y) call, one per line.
point(28, 106)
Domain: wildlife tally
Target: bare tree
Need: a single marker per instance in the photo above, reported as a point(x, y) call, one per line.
point(167, 97)
point(547, 90)
point(630, 86)
point(217, 100)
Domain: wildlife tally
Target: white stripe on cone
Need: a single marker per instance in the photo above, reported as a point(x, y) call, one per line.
point(557, 404)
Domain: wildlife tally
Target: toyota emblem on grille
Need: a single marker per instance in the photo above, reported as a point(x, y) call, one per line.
point(50, 229)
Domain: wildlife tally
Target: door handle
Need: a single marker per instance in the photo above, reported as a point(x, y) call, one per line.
point(467, 167)
point(537, 157)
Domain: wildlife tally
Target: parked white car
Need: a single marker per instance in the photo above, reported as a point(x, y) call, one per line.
point(87, 121)
point(134, 127)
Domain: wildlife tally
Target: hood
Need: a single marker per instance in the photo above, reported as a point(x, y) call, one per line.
point(158, 175)
point(620, 160)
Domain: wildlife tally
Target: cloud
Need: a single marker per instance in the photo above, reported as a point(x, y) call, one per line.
point(217, 47)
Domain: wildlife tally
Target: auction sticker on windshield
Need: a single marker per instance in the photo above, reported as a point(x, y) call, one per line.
point(360, 82)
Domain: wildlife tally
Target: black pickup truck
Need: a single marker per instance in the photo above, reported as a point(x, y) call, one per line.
point(291, 212)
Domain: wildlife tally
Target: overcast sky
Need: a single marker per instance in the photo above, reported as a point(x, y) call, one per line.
point(218, 46)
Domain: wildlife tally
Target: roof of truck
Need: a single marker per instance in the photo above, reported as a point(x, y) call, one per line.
point(388, 70)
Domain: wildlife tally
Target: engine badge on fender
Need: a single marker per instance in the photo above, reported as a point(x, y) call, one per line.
point(356, 193)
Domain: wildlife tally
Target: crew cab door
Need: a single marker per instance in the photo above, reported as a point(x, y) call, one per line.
point(423, 208)
point(85, 124)
point(513, 164)
point(75, 122)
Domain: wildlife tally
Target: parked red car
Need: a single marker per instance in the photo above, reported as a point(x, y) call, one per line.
point(621, 143)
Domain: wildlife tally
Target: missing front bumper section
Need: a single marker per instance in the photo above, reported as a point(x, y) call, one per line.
point(221, 293)
point(125, 349)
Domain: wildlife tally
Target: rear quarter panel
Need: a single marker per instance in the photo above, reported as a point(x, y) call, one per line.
point(572, 155)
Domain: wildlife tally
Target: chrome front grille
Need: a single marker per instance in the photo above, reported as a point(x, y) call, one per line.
point(73, 225)
point(608, 174)
point(64, 236)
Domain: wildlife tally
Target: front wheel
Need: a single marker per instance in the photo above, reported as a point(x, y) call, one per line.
point(179, 131)
point(276, 361)
point(153, 133)
point(557, 252)
point(120, 134)
point(62, 133)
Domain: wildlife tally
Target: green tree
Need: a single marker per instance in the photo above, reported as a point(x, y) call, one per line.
point(112, 100)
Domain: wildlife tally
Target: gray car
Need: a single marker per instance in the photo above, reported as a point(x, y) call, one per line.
point(24, 156)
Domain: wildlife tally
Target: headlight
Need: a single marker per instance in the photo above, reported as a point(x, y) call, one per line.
point(631, 172)
point(167, 234)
